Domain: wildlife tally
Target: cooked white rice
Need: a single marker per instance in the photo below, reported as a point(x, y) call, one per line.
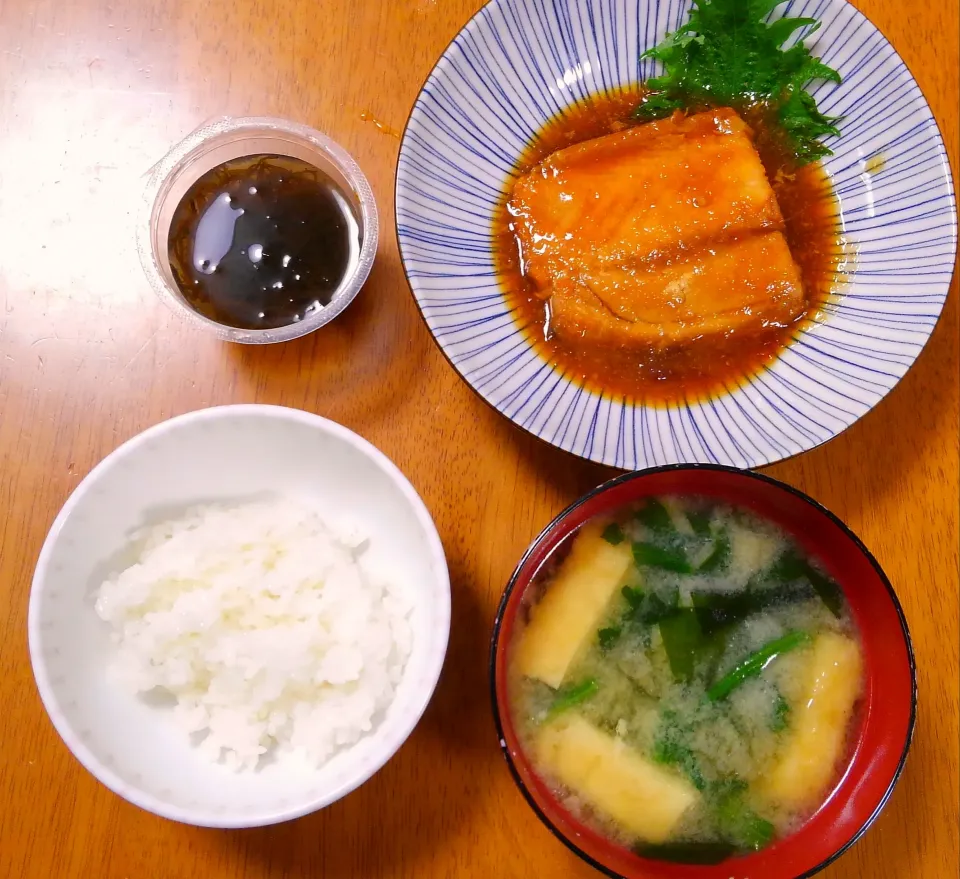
point(264, 625)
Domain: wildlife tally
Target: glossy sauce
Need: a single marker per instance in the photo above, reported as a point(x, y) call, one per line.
point(709, 366)
point(263, 241)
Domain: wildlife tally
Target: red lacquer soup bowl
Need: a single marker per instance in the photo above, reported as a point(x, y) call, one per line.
point(884, 723)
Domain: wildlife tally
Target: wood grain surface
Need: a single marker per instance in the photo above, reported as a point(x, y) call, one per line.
point(91, 95)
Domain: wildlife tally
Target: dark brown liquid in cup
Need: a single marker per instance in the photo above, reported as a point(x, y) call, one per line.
point(263, 241)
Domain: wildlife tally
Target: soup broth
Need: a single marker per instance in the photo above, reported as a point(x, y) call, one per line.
point(685, 679)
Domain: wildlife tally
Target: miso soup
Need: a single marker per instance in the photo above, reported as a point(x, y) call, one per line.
point(685, 677)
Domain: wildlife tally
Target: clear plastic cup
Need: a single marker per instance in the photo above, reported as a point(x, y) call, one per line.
point(222, 140)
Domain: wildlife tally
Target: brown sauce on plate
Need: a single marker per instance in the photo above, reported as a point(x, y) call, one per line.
point(710, 366)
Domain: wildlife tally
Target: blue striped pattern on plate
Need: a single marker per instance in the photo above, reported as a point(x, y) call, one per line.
point(514, 66)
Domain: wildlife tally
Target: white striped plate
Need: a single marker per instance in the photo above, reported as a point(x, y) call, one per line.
point(513, 67)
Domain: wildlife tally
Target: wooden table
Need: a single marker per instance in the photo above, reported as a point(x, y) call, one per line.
point(91, 95)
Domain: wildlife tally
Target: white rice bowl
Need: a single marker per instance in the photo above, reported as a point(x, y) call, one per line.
point(135, 742)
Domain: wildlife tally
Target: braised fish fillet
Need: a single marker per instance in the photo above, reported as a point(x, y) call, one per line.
point(658, 234)
point(739, 286)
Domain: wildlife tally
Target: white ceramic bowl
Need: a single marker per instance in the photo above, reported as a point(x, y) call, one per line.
point(222, 454)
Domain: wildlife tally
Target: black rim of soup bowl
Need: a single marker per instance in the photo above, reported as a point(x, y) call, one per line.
point(747, 474)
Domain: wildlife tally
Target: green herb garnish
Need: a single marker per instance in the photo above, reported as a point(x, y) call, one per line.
point(568, 697)
point(613, 534)
point(648, 608)
point(791, 567)
point(728, 55)
point(717, 610)
point(608, 637)
point(700, 522)
point(687, 852)
point(741, 825)
point(676, 754)
point(671, 748)
point(651, 555)
point(683, 642)
point(633, 596)
point(781, 714)
point(654, 515)
point(718, 558)
point(755, 663)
